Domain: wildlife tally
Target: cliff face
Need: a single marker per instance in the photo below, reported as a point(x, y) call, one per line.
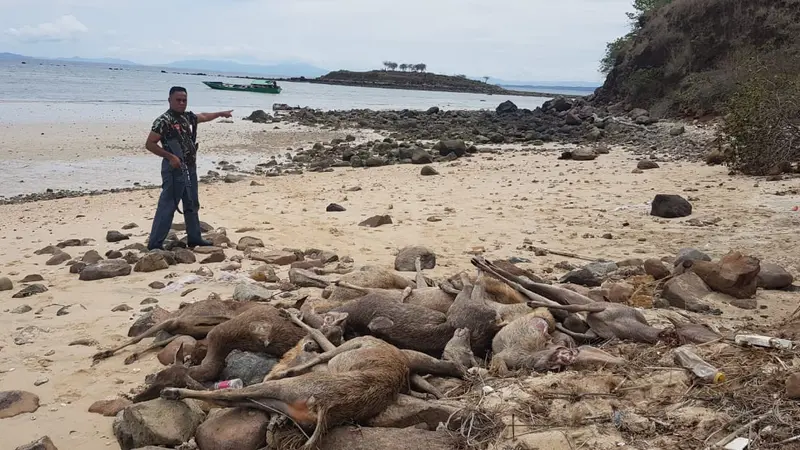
point(688, 57)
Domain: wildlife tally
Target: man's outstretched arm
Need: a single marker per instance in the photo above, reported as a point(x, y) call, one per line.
point(206, 117)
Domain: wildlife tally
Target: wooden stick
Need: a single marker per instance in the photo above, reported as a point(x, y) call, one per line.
point(565, 254)
point(722, 442)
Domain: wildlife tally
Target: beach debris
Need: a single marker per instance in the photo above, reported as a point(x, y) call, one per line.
point(687, 359)
point(28, 334)
point(763, 341)
point(14, 403)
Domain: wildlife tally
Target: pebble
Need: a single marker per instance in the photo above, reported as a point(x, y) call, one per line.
point(41, 381)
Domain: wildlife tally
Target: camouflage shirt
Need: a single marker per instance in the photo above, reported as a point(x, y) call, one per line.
point(174, 125)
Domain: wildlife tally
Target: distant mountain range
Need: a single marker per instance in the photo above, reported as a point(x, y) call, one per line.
point(288, 69)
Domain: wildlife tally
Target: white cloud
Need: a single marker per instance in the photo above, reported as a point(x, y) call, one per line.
point(62, 29)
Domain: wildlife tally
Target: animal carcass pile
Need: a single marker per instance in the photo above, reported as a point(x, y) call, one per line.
point(494, 359)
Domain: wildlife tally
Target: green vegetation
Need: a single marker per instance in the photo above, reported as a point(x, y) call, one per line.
point(391, 65)
point(618, 46)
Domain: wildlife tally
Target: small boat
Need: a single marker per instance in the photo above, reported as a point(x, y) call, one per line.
point(262, 86)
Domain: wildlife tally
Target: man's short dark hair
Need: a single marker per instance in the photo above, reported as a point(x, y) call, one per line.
point(175, 89)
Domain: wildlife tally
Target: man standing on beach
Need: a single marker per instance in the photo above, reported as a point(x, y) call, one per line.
point(173, 138)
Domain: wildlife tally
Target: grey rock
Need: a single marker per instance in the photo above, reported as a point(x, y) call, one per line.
point(335, 207)
point(43, 443)
point(22, 309)
point(582, 277)
point(30, 290)
point(249, 367)
point(670, 206)
point(771, 276)
point(215, 257)
point(690, 254)
point(656, 268)
point(110, 268)
point(686, 291)
point(376, 221)
point(233, 429)
point(446, 147)
point(601, 268)
point(583, 154)
point(121, 308)
point(58, 258)
point(249, 241)
point(6, 284)
point(420, 156)
point(305, 278)
point(32, 278)
point(130, 226)
point(251, 292)
point(116, 236)
point(91, 257)
point(151, 262)
point(157, 422)
point(184, 256)
point(428, 171)
point(677, 130)
point(406, 257)
point(647, 164)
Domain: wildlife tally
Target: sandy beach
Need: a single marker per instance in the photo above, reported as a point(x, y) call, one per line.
point(490, 202)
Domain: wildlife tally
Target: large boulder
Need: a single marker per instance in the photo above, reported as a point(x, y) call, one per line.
point(151, 262)
point(14, 403)
point(405, 259)
point(109, 268)
point(249, 367)
point(157, 422)
point(670, 206)
point(686, 291)
point(446, 147)
point(43, 443)
point(735, 274)
point(773, 276)
point(506, 107)
point(233, 429)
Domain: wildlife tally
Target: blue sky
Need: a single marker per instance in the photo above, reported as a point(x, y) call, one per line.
point(508, 39)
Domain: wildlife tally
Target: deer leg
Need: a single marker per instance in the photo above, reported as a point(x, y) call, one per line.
point(421, 363)
point(420, 279)
point(406, 293)
point(347, 285)
point(319, 359)
point(318, 430)
point(588, 336)
point(448, 287)
point(421, 384)
point(324, 343)
point(133, 357)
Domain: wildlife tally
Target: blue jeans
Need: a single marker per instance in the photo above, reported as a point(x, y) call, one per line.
point(174, 189)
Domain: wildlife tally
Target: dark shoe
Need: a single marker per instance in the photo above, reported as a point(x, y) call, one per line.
point(202, 243)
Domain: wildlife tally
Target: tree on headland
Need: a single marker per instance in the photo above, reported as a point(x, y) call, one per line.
point(403, 67)
point(390, 65)
point(419, 67)
point(485, 79)
point(617, 47)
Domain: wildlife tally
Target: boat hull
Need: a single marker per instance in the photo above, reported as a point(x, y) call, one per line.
point(242, 88)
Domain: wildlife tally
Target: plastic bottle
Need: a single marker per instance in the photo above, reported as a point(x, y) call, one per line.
point(763, 341)
point(703, 370)
point(235, 383)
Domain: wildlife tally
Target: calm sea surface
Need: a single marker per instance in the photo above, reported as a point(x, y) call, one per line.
point(51, 91)
point(48, 92)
